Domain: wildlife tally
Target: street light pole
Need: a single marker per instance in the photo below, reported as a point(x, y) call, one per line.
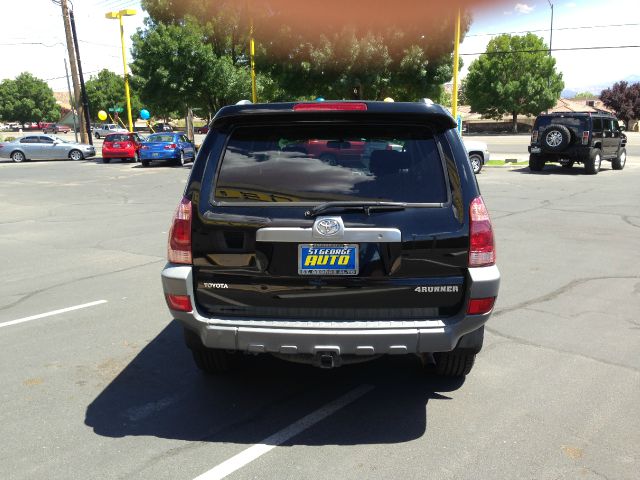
point(113, 15)
point(551, 31)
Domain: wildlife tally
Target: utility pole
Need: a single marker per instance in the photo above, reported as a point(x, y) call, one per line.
point(551, 31)
point(456, 59)
point(72, 61)
point(72, 102)
point(85, 102)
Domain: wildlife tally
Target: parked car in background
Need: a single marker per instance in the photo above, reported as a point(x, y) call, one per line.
point(478, 154)
point(577, 137)
point(174, 147)
point(121, 145)
point(162, 127)
point(103, 129)
point(56, 128)
point(203, 130)
point(44, 147)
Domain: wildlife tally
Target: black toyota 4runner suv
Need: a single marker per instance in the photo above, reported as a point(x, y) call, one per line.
point(273, 249)
point(571, 137)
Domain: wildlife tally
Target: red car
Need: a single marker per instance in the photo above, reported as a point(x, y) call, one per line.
point(121, 145)
point(55, 128)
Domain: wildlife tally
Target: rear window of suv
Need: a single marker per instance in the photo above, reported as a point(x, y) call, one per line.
point(577, 123)
point(117, 137)
point(331, 162)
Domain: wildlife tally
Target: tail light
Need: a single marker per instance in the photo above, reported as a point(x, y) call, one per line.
point(126, 145)
point(324, 106)
point(585, 138)
point(171, 146)
point(144, 147)
point(477, 306)
point(182, 303)
point(179, 247)
point(534, 136)
point(107, 144)
point(482, 250)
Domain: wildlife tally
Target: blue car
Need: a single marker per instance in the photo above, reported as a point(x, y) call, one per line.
point(174, 147)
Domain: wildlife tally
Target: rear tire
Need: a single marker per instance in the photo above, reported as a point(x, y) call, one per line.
point(454, 363)
point(97, 135)
point(18, 157)
point(182, 161)
point(592, 164)
point(209, 360)
point(106, 160)
point(618, 162)
point(145, 163)
point(476, 162)
point(212, 361)
point(536, 163)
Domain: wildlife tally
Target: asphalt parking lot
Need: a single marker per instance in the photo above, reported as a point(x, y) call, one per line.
point(96, 382)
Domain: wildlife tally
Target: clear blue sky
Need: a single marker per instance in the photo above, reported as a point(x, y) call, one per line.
point(580, 68)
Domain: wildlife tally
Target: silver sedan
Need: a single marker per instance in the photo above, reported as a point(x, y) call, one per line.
point(44, 147)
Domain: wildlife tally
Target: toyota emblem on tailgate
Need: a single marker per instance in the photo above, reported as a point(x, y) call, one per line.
point(327, 226)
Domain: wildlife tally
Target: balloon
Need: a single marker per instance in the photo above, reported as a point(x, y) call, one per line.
point(388, 99)
point(102, 115)
point(319, 99)
point(144, 114)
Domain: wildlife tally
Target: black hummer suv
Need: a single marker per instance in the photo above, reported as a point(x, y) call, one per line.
point(386, 249)
point(571, 137)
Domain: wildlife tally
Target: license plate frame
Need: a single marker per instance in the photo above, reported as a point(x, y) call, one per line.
point(331, 252)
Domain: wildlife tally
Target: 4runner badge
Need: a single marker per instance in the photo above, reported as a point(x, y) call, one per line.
point(438, 289)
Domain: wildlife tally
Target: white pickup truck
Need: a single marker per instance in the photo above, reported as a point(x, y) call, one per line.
point(104, 129)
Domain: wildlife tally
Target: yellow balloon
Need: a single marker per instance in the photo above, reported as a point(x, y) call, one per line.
point(388, 99)
point(102, 115)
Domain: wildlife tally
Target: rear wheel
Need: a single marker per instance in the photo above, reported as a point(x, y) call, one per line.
point(536, 163)
point(213, 361)
point(454, 364)
point(209, 360)
point(476, 162)
point(181, 160)
point(145, 163)
point(592, 164)
point(618, 162)
point(97, 135)
point(18, 157)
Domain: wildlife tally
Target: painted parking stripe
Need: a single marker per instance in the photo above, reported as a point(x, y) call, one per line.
point(255, 451)
point(49, 314)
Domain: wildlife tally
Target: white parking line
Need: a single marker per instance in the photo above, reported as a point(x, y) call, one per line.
point(54, 312)
point(252, 453)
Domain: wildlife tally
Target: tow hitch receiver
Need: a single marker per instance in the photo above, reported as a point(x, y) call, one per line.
point(327, 359)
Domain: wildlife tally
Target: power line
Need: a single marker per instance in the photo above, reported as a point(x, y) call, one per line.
point(583, 27)
point(505, 52)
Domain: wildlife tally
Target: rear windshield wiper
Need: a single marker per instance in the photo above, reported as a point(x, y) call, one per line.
point(367, 207)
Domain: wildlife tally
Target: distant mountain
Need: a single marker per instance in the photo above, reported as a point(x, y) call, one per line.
point(595, 89)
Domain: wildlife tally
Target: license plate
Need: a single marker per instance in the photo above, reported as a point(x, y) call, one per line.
point(327, 259)
point(154, 154)
point(116, 145)
point(535, 150)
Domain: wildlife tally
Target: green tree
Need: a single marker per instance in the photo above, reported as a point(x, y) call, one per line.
point(106, 90)
point(305, 52)
point(27, 99)
point(585, 96)
point(175, 67)
point(515, 76)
